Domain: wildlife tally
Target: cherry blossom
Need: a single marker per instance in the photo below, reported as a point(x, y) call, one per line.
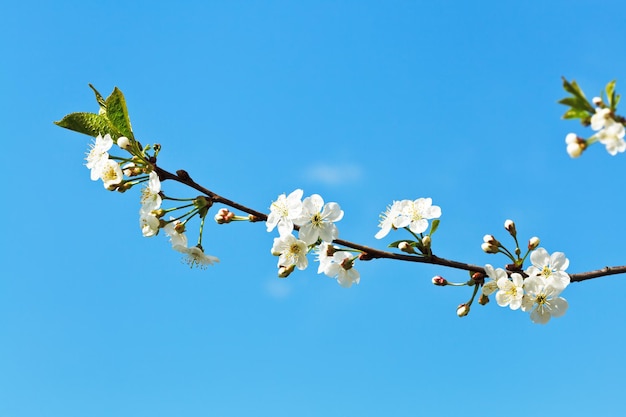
point(98, 154)
point(551, 267)
point(342, 268)
point(510, 291)
point(284, 211)
point(415, 215)
point(541, 298)
point(317, 220)
point(290, 251)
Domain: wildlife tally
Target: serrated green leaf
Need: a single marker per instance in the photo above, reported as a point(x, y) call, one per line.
point(117, 113)
point(576, 114)
point(572, 102)
point(610, 89)
point(99, 99)
point(88, 123)
point(434, 226)
point(397, 242)
point(574, 89)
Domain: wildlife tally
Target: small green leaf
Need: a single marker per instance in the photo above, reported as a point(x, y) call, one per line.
point(575, 90)
point(117, 113)
point(576, 114)
point(99, 98)
point(572, 102)
point(88, 123)
point(615, 102)
point(434, 226)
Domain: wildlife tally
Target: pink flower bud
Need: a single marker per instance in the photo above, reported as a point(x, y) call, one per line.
point(440, 281)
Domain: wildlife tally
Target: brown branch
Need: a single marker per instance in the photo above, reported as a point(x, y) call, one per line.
point(371, 253)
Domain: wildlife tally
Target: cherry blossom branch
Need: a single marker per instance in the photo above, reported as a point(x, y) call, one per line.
point(183, 177)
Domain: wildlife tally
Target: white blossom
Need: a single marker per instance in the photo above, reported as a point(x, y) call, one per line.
point(342, 268)
point(612, 137)
point(316, 220)
point(98, 154)
point(149, 224)
point(550, 267)
point(600, 118)
point(541, 298)
point(510, 291)
point(150, 197)
point(290, 251)
point(284, 211)
point(389, 217)
point(495, 274)
point(415, 215)
point(177, 239)
point(111, 174)
point(197, 257)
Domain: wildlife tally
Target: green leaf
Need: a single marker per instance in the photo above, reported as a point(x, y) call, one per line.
point(575, 90)
point(99, 98)
point(117, 113)
point(576, 114)
point(572, 102)
point(88, 123)
point(615, 102)
point(434, 226)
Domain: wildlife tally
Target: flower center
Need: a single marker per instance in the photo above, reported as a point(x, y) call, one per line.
point(316, 220)
point(546, 272)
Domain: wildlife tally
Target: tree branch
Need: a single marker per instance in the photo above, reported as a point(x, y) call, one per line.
point(183, 177)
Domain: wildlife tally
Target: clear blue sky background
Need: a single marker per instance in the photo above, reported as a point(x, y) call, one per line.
point(363, 102)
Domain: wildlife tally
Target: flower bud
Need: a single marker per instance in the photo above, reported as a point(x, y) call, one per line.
point(487, 248)
point(426, 241)
point(224, 216)
point(123, 142)
point(509, 225)
point(533, 243)
point(597, 101)
point(491, 240)
point(463, 310)
point(284, 271)
point(483, 299)
point(478, 278)
point(439, 281)
point(575, 145)
point(406, 247)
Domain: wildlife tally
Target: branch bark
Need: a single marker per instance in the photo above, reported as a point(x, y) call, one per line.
point(183, 177)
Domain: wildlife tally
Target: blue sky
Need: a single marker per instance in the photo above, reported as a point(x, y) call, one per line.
point(361, 102)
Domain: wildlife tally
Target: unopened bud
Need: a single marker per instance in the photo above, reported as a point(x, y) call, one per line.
point(487, 248)
point(575, 145)
point(478, 277)
point(439, 281)
point(491, 240)
point(533, 243)
point(224, 216)
point(123, 142)
point(426, 241)
point(406, 247)
point(509, 225)
point(284, 271)
point(483, 299)
point(597, 101)
point(463, 310)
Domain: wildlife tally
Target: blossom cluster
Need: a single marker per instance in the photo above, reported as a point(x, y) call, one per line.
point(315, 223)
point(412, 214)
point(609, 132)
point(105, 167)
point(538, 292)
